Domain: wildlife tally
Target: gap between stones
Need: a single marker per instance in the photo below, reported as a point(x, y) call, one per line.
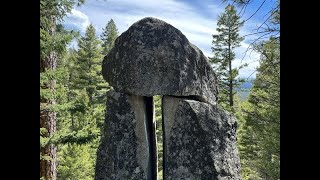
point(153, 165)
point(151, 133)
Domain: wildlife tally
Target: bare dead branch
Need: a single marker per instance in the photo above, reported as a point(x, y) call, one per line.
point(256, 11)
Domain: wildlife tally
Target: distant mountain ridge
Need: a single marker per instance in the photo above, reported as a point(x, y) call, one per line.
point(247, 85)
point(244, 89)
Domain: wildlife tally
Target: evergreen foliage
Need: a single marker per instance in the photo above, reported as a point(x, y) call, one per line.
point(159, 132)
point(259, 134)
point(108, 36)
point(53, 41)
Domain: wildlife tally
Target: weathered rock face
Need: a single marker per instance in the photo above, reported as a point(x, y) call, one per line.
point(127, 149)
point(153, 57)
point(199, 141)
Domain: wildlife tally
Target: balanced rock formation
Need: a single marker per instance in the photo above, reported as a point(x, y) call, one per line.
point(199, 141)
point(154, 58)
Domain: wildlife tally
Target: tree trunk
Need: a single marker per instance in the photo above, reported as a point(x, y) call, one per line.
point(230, 73)
point(48, 121)
point(48, 167)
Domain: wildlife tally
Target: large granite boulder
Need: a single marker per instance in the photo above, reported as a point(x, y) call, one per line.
point(199, 141)
point(128, 145)
point(154, 58)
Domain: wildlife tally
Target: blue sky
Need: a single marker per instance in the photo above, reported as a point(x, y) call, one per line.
point(196, 19)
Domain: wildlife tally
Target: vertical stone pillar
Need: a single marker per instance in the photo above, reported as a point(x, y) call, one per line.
point(199, 141)
point(126, 149)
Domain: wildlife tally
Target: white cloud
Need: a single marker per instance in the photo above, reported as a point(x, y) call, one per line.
point(197, 24)
point(197, 28)
point(77, 20)
point(250, 57)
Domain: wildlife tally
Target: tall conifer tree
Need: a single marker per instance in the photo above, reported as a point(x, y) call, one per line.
point(53, 41)
point(224, 43)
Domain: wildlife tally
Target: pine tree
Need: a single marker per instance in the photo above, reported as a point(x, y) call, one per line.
point(89, 60)
point(259, 132)
point(109, 35)
point(86, 87)
point(259, 138)
point(82, 123)
point(53, 41)
point(224, 44)
point(77, 132)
